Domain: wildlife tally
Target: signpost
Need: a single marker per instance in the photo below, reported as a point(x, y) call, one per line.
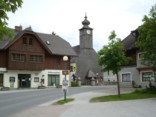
point(65, 88)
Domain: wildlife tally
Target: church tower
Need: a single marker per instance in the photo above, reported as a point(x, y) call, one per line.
point(86, 34)
point(87, 59)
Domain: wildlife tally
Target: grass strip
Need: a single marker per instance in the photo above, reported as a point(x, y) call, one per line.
point(130, 96)
point(61, 102)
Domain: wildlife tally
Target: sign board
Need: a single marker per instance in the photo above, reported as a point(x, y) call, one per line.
point(65, 88)
point(65, 72)
point(74, 68)
point(65, 83)
point(11, 79)
point(3, 70)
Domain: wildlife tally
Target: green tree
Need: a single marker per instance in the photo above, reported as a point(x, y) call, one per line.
point(5, 7)
point(112, 57)
point(147, 39)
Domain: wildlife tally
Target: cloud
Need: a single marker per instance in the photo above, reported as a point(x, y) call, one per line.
point(64, 17)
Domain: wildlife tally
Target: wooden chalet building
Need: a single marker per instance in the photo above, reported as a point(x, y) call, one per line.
point(134, 71)
point(31, 58)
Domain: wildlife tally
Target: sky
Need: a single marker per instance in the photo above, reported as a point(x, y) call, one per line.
point(64, 17)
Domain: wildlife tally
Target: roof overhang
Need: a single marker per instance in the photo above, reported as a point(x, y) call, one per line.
point(144, 69)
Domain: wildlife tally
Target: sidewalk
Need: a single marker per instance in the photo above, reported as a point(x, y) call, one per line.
point(81, 107)
point(24, 90)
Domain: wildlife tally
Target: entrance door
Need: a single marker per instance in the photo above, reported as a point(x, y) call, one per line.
point(1, 80)
point(24, 80)
point(53, 80)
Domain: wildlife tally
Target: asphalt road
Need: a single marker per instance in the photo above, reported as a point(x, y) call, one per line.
point(15, 101)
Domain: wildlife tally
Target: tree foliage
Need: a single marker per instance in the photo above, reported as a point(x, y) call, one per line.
point(112, 56)
point(147, 38)
point(5, 7)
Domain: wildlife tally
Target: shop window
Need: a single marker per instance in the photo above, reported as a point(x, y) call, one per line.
point(126, 77)
point(147, 76)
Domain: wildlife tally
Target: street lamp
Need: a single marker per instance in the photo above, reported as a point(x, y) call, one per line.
point(65, 59)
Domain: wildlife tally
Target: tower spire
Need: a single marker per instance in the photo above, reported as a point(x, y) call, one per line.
point(85, 15)
point(86, 22)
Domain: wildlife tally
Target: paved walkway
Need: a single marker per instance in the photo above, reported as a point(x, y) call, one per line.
point(81, 107)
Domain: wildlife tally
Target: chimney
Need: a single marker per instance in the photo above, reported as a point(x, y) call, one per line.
point(18, 28)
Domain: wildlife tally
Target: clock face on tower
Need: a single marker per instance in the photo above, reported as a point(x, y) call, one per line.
point(88, 31)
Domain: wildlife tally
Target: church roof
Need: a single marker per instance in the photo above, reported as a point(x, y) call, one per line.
point(86, 23)
point(86, 62)
point(77, 49)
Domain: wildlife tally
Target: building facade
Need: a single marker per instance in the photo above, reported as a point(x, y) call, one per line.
point(32, 59)
point(134, 73)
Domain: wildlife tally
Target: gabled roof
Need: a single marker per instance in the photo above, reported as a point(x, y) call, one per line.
point(77, 49)
point(4, 43)
point(52, 43)
point(16, 37)
point(56, 44)
point(130, 41)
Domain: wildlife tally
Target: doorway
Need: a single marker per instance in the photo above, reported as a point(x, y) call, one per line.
point(53, 80)
point(1, 80)
point(24, 80)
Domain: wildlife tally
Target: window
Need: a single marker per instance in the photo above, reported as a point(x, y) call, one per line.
point(24, 40)
point(140, 56)
point(126, 77)
point(36, 79)
point(27, 41)
point(36, 58)
point(18, 57)
point(146, 76)
point(1, 80)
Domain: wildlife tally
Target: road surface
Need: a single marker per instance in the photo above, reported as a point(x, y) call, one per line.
point(15, 101)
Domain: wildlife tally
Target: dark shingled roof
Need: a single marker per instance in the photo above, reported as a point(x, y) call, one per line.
point(56, 44)
point(77, 49)
point(4, 43)
point(130, 40)
point(87, 60)
point(53, 43)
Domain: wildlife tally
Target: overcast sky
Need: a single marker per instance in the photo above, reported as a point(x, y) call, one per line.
point(65, 17)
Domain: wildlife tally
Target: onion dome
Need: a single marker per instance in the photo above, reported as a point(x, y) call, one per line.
point(85, 22)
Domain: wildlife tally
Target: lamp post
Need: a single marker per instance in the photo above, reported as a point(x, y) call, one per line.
point(65, 59)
